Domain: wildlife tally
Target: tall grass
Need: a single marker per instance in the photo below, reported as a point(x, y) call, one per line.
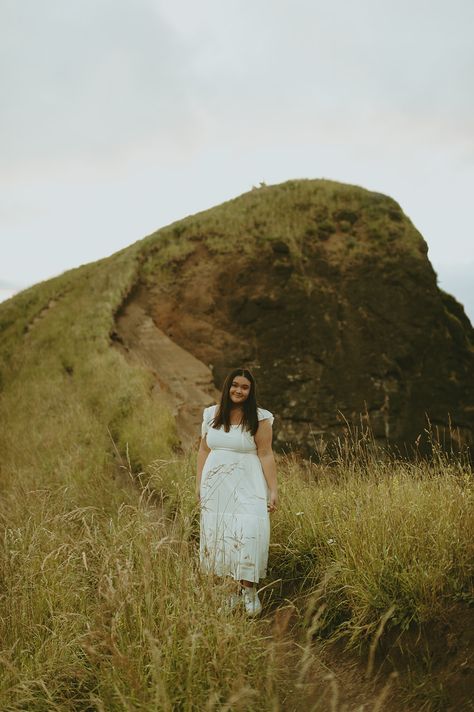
point(385, 534)
point(104, 606)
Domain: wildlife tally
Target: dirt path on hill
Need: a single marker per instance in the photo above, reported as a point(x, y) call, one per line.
point(41, 314)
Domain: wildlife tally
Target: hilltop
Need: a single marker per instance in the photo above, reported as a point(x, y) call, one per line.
point(324, 289)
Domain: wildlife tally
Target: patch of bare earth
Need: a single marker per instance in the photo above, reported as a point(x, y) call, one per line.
point(427, 668)
point(182, 381)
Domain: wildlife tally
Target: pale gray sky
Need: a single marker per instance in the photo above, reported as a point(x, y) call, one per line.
point(120, 116)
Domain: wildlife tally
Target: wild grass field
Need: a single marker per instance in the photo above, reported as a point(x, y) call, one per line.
point(103, 606)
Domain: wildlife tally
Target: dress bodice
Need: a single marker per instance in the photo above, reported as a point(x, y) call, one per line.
point(237, 439)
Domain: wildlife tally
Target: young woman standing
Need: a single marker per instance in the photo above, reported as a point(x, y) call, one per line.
point(236, 486)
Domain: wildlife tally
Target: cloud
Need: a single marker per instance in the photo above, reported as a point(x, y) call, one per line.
point(85, 79)
point(101, 82)
point(5, 285)
point(339, 70)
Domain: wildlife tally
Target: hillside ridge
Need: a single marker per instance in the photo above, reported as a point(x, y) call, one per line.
point(323, 288)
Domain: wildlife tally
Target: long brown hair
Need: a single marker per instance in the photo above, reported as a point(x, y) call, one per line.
point(249, 416)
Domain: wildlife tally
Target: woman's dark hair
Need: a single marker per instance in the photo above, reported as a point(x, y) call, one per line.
point(249, 418)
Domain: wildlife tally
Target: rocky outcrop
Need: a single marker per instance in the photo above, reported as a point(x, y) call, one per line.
point(325, 290)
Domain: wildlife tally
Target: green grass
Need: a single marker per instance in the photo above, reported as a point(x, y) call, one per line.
point(104, 607)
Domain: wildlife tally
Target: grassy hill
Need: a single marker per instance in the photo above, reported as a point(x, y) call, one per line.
point(103, 605)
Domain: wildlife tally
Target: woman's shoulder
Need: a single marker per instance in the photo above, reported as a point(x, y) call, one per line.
point(263, 414)
point(210, 410)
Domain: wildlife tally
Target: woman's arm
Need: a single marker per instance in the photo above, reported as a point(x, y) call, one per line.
point(203, 452)
point(263, 441)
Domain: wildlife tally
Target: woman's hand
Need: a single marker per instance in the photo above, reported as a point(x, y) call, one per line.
point(272, 503)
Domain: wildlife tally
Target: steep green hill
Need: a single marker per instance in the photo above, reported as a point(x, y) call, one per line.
point(324, 288)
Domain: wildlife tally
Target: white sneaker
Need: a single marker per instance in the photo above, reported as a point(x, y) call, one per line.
point(251, 600)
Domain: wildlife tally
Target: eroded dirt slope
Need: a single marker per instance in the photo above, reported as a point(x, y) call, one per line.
point(185, 382)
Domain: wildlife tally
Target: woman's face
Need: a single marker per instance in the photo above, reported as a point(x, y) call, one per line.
point(239, 389)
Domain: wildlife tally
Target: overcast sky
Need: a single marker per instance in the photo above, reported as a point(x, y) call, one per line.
point(120, 116)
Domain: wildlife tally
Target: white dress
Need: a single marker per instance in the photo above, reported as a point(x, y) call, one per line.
point(235, 524)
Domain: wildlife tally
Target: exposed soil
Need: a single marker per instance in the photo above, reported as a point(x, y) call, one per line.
point(424, 669)
point(182, 381)
point(326, 352)
point(442, 648)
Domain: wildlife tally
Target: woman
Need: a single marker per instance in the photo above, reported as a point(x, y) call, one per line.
point(236, 486)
